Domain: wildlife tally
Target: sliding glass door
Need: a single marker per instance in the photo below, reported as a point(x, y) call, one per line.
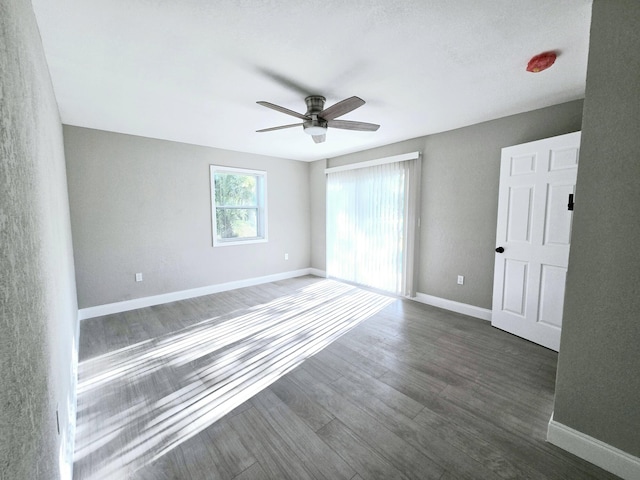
point(371, 224)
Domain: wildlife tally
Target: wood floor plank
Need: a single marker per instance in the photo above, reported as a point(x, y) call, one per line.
point(382, 354)
point(321, 460)
point(477, 447)
point(383, 393)
point(403, 456)
point(254, 472)
point(516, 446)
point(368, 396)
point(321, 370)
point(201, 463)
point(502, 411)
point(370, 464)
point(276, 458)
point(344, 362)
point(526, 377)
point(226, 447)
point(172, 466)
point(301, 404)
point(410, 392)
point(357, 360)
point(93, 342)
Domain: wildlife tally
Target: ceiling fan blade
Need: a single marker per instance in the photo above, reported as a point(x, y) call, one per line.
point(280, 127)
point(283, 110)
point(350, 125)
point(319, 138)
point(341, 108)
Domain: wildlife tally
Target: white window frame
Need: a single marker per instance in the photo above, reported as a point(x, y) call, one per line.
point(261, 207)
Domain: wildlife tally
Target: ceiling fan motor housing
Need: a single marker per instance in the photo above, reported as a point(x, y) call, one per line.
point(315, 126)
point(315, 104)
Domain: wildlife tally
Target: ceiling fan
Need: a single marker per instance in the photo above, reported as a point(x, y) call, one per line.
point(318, 119)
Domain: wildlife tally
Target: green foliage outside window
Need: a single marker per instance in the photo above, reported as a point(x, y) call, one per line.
point(238, 198)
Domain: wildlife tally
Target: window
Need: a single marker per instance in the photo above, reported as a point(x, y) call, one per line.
point(372, 212)
point(238, 200)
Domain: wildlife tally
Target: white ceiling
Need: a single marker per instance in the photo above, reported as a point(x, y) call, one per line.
point(192, 70)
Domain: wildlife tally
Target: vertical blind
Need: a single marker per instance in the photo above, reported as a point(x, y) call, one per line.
point(371, 225)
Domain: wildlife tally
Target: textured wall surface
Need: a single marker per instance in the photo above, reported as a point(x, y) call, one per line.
point(318, 195)
point(144, 205)
point(460, 176)
point(598, 382)
point(38, 323)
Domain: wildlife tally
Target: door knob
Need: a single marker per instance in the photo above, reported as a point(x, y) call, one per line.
point(499, 249)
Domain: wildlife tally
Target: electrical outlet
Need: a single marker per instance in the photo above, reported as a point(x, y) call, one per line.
point(286, 256)
point(460, 279)
point(138, 277)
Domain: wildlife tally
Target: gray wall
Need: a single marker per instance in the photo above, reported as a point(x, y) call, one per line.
point(598, 382)
point(38, 324)
point(460, 174)
point(317, 191)
point(143, 205)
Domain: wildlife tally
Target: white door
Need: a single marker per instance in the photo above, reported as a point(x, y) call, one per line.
point(533, 237)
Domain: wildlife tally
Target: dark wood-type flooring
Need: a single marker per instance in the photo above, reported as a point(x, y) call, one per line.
point(410, 392)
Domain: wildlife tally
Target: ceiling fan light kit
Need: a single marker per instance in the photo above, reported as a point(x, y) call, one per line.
point(318, 119)
point(311, 129)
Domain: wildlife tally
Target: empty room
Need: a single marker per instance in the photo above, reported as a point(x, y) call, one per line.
point(319, 240)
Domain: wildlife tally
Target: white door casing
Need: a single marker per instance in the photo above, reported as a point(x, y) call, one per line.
point(534, 229)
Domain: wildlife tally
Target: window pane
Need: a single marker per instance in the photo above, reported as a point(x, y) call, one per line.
point(236, 223)
point(235, 190)
point(239, 205)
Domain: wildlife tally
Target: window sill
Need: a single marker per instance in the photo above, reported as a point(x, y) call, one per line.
point(231, 243)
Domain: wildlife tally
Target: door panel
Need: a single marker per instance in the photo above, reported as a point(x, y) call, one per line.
point(558, 218)
point(515, 287)
point(552, 283)
point(522, 165)
point(520, 213)
point(562, 158)
point(534, 228)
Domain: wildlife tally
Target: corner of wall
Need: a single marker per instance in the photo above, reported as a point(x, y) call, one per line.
point(593, 450)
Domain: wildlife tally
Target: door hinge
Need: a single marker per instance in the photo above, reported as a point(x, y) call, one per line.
point(571, 204)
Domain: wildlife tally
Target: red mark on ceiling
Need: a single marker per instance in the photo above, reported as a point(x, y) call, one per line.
point(541, 62)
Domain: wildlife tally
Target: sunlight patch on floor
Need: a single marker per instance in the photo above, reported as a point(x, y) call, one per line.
point(139, 402)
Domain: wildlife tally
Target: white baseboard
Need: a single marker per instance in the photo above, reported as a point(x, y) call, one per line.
point(317, 273)
point(136, 303)
point(593, 450)
point(465, 309)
